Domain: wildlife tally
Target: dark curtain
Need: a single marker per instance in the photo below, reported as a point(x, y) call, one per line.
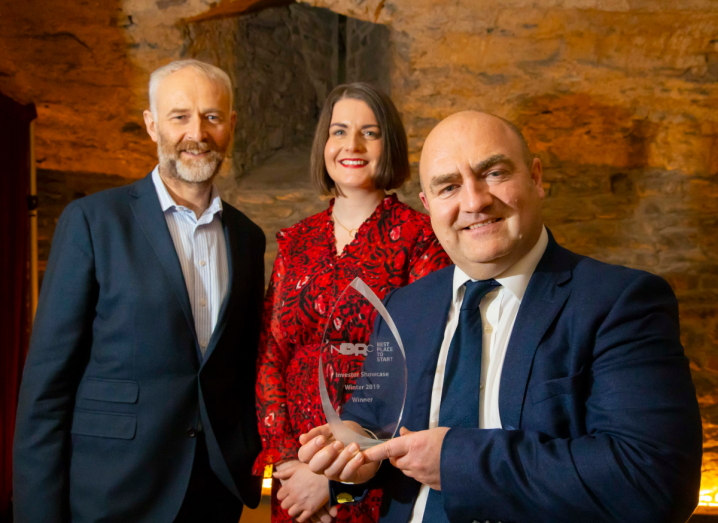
point(15, 121)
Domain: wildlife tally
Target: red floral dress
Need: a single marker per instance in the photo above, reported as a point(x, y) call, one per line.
point(394, 247)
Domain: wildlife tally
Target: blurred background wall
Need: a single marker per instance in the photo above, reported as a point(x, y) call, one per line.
point(617, 97)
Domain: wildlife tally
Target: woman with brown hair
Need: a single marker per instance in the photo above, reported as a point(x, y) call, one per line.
point(359, 152)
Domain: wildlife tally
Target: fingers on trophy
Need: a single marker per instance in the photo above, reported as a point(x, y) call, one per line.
point(362, 384)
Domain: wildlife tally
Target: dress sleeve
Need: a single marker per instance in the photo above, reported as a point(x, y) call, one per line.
point(428, 254)
point(273, 358)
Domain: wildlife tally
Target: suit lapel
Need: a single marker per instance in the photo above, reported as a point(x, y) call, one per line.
point(234, 238)
point(148, 212)
point(544, 298)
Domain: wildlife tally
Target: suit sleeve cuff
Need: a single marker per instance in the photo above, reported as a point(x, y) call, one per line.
point(460, 490)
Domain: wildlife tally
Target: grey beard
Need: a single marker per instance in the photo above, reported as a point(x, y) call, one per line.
point(191, 172)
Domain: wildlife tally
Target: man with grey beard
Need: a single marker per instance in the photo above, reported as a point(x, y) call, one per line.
point(137, 401)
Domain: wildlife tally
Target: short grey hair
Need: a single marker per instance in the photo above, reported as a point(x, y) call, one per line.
point(210, 71)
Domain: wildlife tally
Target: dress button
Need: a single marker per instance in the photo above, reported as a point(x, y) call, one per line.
point(191, 432)
point(481, 386)
point(488, 329)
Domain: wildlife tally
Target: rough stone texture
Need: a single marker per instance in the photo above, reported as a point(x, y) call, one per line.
point(85, 64)
point(283, 62)
point(274, 97)
point(315, 32)
point(71, 61)
point(368, 53)
point(617, 97)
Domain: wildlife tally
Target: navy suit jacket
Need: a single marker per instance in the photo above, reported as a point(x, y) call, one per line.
point(599, 414)
point(114, 384)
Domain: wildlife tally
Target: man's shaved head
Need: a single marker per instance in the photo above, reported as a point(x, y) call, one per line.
point(483, 191)
point(467, 118)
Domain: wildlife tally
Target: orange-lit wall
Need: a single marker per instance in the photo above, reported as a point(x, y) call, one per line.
point(619, 98)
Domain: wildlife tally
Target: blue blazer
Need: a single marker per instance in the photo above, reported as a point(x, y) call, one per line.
point(114, 387)
point(599, 414)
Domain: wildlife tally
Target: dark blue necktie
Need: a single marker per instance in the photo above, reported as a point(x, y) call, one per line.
point(462, 377)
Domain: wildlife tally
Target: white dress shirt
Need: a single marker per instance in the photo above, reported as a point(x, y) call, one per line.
point(498, 314)
point(202, 251)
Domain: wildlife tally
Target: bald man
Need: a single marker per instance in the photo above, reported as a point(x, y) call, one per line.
point(137, 401)
point(543, 385)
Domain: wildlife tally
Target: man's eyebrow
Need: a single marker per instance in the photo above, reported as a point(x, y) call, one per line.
point(206, 111)
point(491, 161)
point(443, 179)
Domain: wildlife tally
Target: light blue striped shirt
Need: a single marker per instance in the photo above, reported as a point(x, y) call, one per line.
point(202, 253)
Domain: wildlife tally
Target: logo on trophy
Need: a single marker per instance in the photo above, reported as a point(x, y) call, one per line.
point(362, 369)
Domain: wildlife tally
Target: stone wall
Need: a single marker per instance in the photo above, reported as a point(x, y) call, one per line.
point(274, 97)
point(71, 60)
point(284, 61)
point(368, 53)
point(617, 97)
point(315, 33)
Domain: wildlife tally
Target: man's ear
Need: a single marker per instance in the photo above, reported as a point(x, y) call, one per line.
point(150, 124)
point(424, 200)
point(537, 177)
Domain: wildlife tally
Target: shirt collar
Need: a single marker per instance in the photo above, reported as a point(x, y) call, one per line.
point(168, 203)
point(516, 278)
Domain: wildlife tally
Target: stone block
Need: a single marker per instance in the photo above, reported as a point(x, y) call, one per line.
point(281, 211)
point(682, 282)
point(617, 99)
point(294, 196)
point(709, 282)
point(254, 198)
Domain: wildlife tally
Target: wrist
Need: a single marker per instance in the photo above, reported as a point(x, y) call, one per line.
point(286, 463)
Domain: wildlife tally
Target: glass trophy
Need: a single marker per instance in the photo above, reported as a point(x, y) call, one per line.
point(362, 369)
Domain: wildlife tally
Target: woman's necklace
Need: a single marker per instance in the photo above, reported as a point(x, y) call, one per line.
point(352, 232)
